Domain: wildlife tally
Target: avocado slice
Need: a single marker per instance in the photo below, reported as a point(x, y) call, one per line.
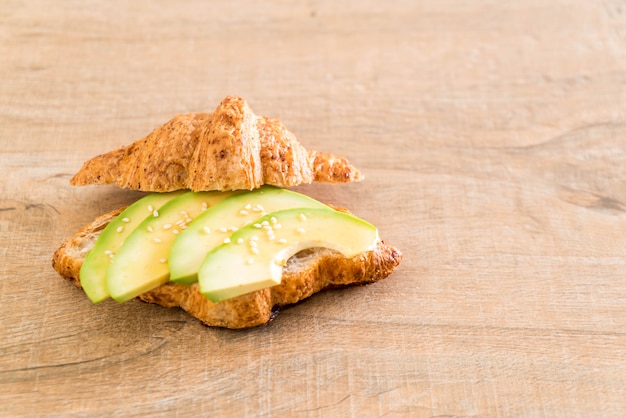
point(93, 271)
point(141, 262)
point(255, 255)
point(216, 225)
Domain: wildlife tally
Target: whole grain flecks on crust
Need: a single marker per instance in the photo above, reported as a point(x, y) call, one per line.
point(305, 274)
point(229, 149)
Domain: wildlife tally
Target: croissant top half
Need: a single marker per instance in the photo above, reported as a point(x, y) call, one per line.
point(229, 149)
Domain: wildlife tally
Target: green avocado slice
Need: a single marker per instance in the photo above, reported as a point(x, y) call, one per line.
point(216, 225)
point(141, 262)
point(93, 271)
point(254, 256)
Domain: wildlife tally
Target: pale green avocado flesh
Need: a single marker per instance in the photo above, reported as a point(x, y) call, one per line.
point(93, 271)
point(253, 257)
point(218, 223)
point(141, 263)
point(232, 243)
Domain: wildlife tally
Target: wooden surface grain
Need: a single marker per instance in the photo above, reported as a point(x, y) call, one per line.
point(493, 140)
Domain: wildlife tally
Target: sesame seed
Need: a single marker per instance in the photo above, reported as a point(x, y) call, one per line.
point(278, 226)
point(175, 231)
point(250, 261)
point(149, 228)
point(300, 230)
point(265, 223)
point(188, 220)
point(253, 243)
point(223, 229)
point(125, 220)
point(167, 226)
point(302, 217)
point(184, 213)
point(157, 240)
point(120, 228)
point(155, 213)
point(233, 228)
point(243, 212)
point(207, 229)
point(258, 226)
point(248, 206)
point(254, 250)
point(273, 220)
point(150, 208)
point(108, 252)
point(240, 241)
point(162, 260)
point(282, 241)
point(111, 256)
point(254, 238)
point(226, 240)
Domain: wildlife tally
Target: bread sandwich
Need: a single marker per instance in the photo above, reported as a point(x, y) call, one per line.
point(219, 234)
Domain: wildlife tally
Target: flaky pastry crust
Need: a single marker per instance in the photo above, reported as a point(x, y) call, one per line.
point(229, 149)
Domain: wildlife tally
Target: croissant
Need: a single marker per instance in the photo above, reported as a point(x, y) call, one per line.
point(229, 149)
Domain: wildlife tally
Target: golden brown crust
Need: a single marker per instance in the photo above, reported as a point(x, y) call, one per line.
point(305, 274)
point(158, 162)
point(329, 168)
point(314, 270)
point(162, 158)
point(227, 155)
point(244, 311)
point(68, 258)
point(230, 149)
point(285, 162)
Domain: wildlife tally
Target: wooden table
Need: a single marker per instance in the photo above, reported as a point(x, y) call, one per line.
point(493, 140)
